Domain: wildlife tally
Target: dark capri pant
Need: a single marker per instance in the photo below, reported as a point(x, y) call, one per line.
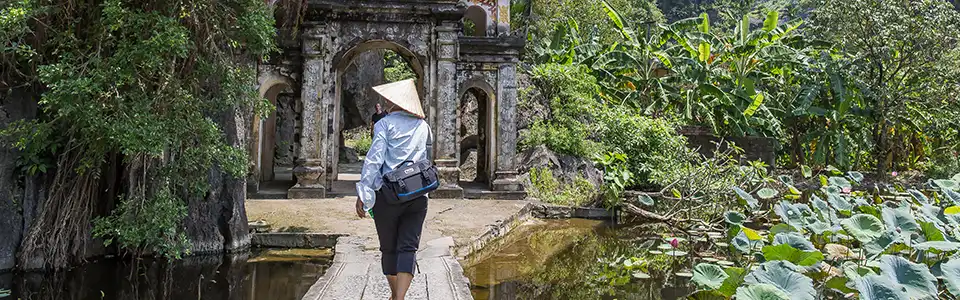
point(399, 227)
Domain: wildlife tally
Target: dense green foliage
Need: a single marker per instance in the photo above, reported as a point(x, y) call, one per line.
point(859, 84)
point(143, 80)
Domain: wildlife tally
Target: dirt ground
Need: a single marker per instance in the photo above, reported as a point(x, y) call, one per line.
point(464, 220)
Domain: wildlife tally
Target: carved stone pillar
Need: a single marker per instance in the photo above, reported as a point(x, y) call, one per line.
point(309, 167)
point(505, 178)
point(446, 130)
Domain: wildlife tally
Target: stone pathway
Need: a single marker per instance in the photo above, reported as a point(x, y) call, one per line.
point(356, 274)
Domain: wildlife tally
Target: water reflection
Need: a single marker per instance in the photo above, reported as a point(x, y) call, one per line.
point(263, 274)
point(558, 259)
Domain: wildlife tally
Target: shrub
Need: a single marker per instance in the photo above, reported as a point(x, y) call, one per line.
point(362, 145)
point(549, 189)
point(649, 144)
point(943, 164)
point(570, 90)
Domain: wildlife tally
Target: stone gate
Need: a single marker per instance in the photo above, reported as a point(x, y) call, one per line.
point(448, 65)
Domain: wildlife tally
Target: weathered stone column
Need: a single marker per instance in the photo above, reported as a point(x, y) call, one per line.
point(309, 166)
point(505, 178)
point(446, 131)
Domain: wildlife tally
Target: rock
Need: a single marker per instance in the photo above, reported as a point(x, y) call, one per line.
point(359, 100)
point(286, 131)
point(15, 200)
point(564, 167)
point(348, 155)
point(531, 105)
point(468, 166)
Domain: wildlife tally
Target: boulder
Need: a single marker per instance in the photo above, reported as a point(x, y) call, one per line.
point(348, 155)
point(564, 167)
point(468, 165)
point(359, 101)
point(532, 105)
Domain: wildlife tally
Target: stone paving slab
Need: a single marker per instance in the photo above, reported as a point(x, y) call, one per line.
point(356, 274)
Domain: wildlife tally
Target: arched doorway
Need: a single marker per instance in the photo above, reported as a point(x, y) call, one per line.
point(273, 145)
point(359, 69)
point(475, 21)
point(477, 132)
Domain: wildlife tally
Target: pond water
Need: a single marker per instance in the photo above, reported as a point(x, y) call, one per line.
point(261, 274)
point(571, 259)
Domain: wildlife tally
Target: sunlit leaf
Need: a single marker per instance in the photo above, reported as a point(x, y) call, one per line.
point(791, 254)
point(709, 276)
point(772, 20)
point(863, 227)
point(751, 234)
point(734, 279)
point(767, 193)
point(617, 20)
point(761, 292)
point(937, 245)
point(839, 182)
point(754, 106)
point(919, 196)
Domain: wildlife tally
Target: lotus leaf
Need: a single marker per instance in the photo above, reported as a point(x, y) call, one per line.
point(819, 227)
point(937, 245)
point(742, 243)
point(734, 279)
point(839, 202)
point(751, 202)
point(785, 179)
point(855, 176)
point(779, 228)
point(919, 196)
point(789, 214)
point(645, 200)
point(952, 210)
point(734, 217)
point(953, 196)
point(827, 214)
point(751, 234)
point(899, 218)
point(862, 227)
point(854, 272)
point(640, 275)
point(880, 244)
point(830, 189)
point(807, 173)
point(956, 177)
point(767, 193)
point(793, 239)
point(791, 254)
point(761, 292)
point(876, 287)
point(916, 278)
point(946, 184)
point(709, 276)
point(951, 275)
point(931, 232)
point(783, 275)
point(839, 182)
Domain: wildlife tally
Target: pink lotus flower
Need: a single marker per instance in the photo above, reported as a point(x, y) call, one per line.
point(847, 190)
point(674, 243)
point(894, 174)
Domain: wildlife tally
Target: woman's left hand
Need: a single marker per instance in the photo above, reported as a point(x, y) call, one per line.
point(360, 212)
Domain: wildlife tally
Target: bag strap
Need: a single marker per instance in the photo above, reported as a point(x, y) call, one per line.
point(402, 163)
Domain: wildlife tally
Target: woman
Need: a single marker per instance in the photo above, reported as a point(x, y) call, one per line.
point(400, 136)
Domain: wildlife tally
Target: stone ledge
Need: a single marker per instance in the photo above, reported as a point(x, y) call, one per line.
point(294, 240)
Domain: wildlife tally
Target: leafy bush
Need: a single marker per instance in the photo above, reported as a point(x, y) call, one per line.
point(649, 144)
point(549, 189)
point(570, 91)
point(943, 164)
point(362, 145)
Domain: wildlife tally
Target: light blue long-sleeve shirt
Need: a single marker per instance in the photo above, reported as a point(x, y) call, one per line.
point(397, 138)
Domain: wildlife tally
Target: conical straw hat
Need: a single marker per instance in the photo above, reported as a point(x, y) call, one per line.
point(404, 94)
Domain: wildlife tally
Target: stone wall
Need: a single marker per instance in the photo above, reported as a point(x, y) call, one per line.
point(287, 131)
point(17, 194)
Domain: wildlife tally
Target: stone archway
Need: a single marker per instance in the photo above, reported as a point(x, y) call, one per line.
point(341, 63)
point(263, 140)
point(483, 137)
